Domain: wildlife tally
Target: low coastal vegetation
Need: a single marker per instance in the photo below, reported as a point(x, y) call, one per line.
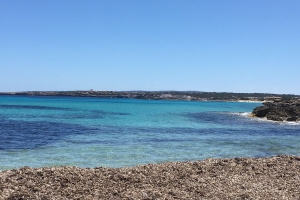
point(238, 178)
point(160, 95)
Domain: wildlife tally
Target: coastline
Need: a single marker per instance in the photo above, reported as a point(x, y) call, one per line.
point(237, 178)
point(279, 110)
point(247, 101)
point(158, 95)
point(264, 119)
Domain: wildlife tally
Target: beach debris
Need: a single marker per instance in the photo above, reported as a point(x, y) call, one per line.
point(237, 178)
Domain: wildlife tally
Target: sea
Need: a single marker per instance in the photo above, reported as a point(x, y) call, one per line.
point(110, 132)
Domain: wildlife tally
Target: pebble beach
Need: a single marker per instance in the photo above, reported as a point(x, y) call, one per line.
point(237, 178)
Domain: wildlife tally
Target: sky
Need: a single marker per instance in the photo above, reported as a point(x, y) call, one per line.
point(121, 45)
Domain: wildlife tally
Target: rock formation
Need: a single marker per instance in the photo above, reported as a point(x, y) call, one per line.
point(280, 110)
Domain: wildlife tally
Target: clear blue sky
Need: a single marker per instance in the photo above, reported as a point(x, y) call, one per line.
point(203, 45)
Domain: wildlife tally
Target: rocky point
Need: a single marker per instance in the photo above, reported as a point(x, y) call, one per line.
point(279, 110)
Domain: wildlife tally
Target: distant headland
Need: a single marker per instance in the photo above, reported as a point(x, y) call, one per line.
point(162, 95)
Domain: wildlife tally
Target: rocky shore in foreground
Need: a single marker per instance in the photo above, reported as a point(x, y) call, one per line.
point(239, 178)
point(279, 110)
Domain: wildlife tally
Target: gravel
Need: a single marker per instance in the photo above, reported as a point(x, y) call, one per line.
point(238, 178)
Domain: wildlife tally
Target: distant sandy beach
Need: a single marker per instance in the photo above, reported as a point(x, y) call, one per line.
point(247, 101)
point(239, 178)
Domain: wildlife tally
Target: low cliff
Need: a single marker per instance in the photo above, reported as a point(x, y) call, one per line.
point(283, 110)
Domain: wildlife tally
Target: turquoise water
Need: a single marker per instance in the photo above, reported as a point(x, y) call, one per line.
point(90, 132)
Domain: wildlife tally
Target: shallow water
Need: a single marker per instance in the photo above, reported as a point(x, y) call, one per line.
point(90, 132)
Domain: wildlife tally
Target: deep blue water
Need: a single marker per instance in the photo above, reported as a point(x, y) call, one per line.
point(90, 132)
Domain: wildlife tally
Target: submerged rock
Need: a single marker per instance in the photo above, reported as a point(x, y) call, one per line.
point(283, 110)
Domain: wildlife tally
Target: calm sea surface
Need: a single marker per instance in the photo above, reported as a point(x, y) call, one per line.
point(90, 132)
